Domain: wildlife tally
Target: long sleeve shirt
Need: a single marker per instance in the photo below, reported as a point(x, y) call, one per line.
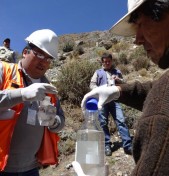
point(151, 141)
point(113, 76)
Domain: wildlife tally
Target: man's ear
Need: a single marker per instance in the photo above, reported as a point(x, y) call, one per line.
point(25, 51)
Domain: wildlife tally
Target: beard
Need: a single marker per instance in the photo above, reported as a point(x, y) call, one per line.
point(164, 60)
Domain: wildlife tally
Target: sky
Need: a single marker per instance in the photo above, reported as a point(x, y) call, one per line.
point(19, 18)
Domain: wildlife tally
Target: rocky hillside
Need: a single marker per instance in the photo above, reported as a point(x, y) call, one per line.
point(91, 46)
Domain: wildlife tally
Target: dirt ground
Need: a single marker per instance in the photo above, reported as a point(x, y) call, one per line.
point(119, 163)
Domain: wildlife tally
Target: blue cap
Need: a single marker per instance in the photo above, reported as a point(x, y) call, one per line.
point(91, 104)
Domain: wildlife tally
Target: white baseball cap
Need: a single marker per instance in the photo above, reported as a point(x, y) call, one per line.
point(122, 27)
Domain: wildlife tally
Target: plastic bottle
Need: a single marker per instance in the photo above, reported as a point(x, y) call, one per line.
point(45, 109)
point(90, 144)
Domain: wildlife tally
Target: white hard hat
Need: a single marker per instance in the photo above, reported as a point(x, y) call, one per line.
point(46, 40)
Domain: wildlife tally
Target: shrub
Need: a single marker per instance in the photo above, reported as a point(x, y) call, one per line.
point(141, 62)
point(114, 40)
point(123, 58)
point(139, 51)
point(115, 61)
point(78, 51)
point(54, 63)
point(132, 115)
point(143, 72)
point(124, 69)
point(68, 47)
point(99, 51)
point(120, 46)
point(74, 78)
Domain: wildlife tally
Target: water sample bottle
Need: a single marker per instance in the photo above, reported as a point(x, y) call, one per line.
point(45, 109)
point(90, 144)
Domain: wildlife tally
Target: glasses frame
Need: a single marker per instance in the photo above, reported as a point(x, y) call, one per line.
point(41, 56)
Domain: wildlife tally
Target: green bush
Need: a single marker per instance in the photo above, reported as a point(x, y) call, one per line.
point(131, 116)
point(68, 47)
point(99, 51)
point(74, 78)
point(143, 72)
point(124, 69)
point(120, 46)
point(78, 51)
point(123, 58)
point(141, 62)
point(139, 51)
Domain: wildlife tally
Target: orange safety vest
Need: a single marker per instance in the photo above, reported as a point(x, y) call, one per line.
point(48, 152)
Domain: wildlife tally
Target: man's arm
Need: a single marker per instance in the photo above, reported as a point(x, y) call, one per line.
point(134, 94)
point(93, 82)
point(8, 98)
point(14, 57)
point(119, 78)
point(130, 94)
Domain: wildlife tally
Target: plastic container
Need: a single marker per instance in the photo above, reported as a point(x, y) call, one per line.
point(90, 144)
point(45, 109)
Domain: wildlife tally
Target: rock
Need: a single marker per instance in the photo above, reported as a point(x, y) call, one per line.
point(119, 173)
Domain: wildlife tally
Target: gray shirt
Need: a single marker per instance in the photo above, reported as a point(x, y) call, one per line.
point(110, 79)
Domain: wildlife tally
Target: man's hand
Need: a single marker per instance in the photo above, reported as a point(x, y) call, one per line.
point(37, 91)
point(104, 95)
point(117, 79)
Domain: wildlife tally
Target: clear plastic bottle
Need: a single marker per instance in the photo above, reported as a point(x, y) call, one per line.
point(90, 144)
point(45, 109)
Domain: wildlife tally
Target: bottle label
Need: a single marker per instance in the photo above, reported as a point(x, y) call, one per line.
point(87, 152)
